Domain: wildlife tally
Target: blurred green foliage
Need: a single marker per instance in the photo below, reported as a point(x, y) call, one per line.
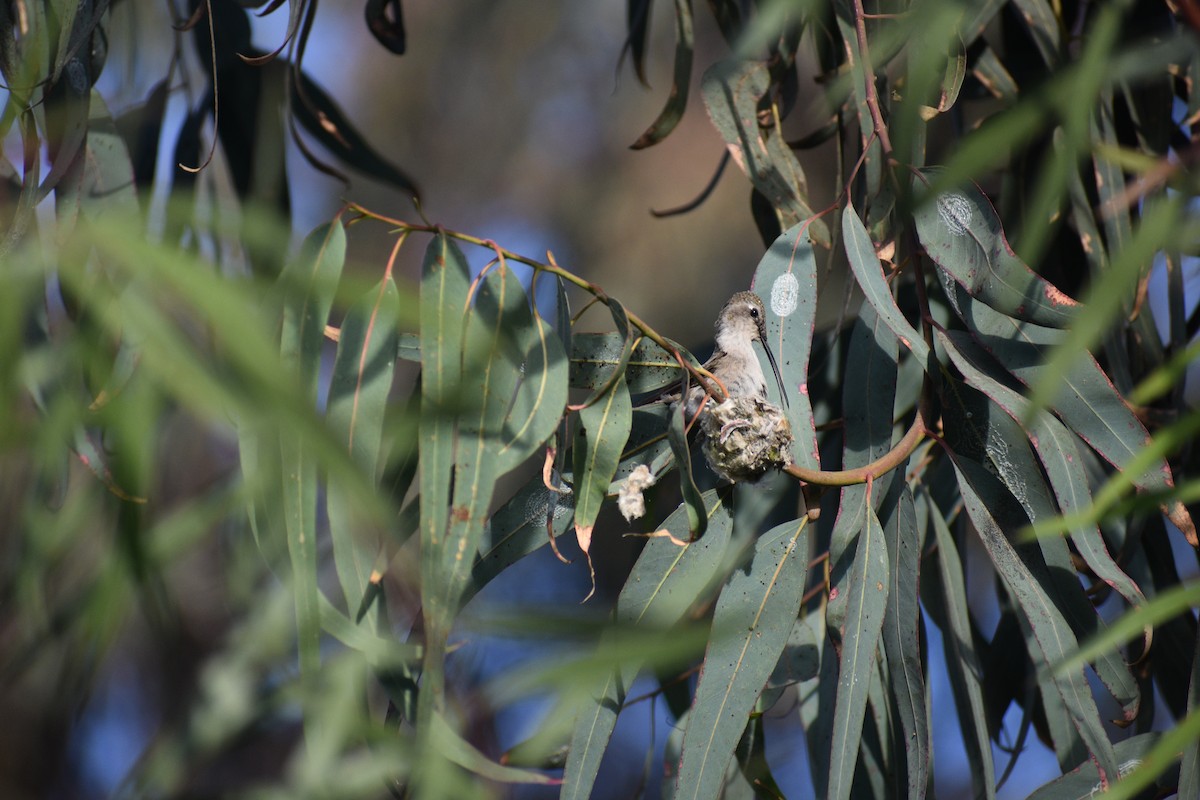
point(268, 486)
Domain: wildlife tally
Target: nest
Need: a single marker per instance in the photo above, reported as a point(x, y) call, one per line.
point(745, 437)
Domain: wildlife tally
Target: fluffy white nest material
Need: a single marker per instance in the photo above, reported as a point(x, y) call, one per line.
point(630, 500)
point(745, 437)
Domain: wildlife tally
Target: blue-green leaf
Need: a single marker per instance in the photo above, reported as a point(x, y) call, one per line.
point(732, 91)
point(1131, 754)
point(751, 625)
point(962, 234)
point(867, 590)
point(902, 644)
point(664, 583)
point(692, 501)
point(1086, 402)
point(1052, 639)
point(603, 430)
point(786, 279)
point(308, 282)
point(1058, 451)
point(962, 661)
point(677, 100)
point(860, 252)
point(445, 283)
point(358, 394)
point(595, 357)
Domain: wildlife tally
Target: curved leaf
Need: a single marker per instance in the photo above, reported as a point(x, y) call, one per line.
point(867, 590)
point(1043, 26)
point(962, 661)
point(860, 252)
point(1056, 448)
point(309, 282)
point(786, 279)
point(325, 121)
point(962, 234)
point(445, 283)
point(984, 499)
point(677, 100)
point(902, 644)
point(500, 342)
point(358, 394)
point(602, 434)
point(752, 622)
point(692, 500)
point(521, 526)
point(1086, 401)
point(536, 403)
point(1131, 753)
point(595, 357)
point(732, 91)
point(385, 20)
point(664, 583)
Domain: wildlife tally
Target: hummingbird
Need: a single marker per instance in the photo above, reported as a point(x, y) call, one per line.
point(741, 323)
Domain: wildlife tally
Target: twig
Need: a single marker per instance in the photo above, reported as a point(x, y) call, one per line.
point(872, 99)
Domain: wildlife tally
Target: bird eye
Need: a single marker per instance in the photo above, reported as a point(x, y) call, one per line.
point(754, 312)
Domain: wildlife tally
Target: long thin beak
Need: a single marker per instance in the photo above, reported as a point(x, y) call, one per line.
point(775, 369)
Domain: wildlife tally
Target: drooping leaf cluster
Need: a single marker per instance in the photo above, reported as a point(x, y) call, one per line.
point(1017, 402)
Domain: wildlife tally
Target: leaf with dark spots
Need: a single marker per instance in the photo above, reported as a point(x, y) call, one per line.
point(385, 20)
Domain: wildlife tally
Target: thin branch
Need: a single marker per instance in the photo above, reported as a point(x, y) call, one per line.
point(872, 98)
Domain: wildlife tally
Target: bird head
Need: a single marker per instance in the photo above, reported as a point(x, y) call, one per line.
point(744, 320)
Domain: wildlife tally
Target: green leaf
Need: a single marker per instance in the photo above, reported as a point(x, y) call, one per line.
point(595, 358)
point(962, 234)
point(991, 72)
point(677, 100)
point(522, 525)
point(664, 583)
point(869, 391)
point(1167, 605)
point(1189, 768)
point(309, 282)
point(358, 394)
point(1086, 402)
point(732, 91)
point(868, 396)
point(100, 183)
point(873, 162)
point(1058, 451)
point(599, 441)
point(692, 500)
point(1044, 28)
point(500, 424)
point(536, 401)
point(752, 622)
point(1135, 754)
point(463, 753)
point(444, 290)
point(860, 252)
point(1109, 292)
point(985, 500)
point(958, 641)
point(867, 590)
point(325, 121)
point(786, 278)
point(1012, 461)
point(902, 644)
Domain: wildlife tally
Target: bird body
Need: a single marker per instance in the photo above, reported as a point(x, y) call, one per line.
point(741, 322)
